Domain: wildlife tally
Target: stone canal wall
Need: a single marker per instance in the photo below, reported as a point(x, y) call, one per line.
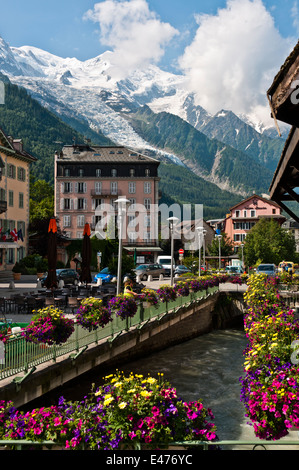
point(218, 310)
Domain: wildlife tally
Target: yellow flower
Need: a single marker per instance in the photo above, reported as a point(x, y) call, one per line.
point(122, 405)
point(108, 401)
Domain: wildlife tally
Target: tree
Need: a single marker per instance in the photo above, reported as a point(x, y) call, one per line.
point(226, 245)
point(41, 201)
point(268, 242)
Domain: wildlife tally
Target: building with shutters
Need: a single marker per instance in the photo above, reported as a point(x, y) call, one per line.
point(14, 200)
point(88, 181)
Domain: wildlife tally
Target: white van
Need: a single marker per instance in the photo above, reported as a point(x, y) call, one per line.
point(165, 260)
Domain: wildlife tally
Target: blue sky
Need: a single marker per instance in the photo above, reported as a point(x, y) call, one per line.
point(229, 50)
point(58, 26)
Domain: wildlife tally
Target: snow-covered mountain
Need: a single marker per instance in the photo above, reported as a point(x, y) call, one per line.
point(87, 91)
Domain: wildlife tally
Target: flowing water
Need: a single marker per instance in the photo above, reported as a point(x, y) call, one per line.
point(206, 368)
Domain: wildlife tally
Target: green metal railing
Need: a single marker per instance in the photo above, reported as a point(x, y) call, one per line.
point(23, 356)
point(175, 446)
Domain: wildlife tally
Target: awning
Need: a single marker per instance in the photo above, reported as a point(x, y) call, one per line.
point(9, 245)
point(142, 248)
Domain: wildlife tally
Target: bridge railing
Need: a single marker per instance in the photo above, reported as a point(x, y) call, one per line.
point(22, 444)
point(21, 355)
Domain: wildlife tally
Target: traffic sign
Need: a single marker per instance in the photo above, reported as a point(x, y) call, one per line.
point(181, 251)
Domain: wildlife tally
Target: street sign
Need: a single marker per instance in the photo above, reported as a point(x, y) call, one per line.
point(181, 251)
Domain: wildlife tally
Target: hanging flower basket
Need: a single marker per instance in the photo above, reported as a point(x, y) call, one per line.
point(49, 326)
point(148, 297)
point(166, 293)
point(92, 314)
point(123, 306)
point(182, 289)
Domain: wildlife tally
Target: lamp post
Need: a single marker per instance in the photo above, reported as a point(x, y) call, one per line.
point(242, 248)
point(200, 233)
point(172, 221)
point(121, 212)
point(219, 241)
point(204, 232)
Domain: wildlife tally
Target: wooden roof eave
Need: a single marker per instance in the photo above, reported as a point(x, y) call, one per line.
point(284, 87)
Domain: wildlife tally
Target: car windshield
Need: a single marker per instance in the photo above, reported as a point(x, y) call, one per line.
point(165, 261)
point(142, 266)
point(105, 271)
point(265, 268)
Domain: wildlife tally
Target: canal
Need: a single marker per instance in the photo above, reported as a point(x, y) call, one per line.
point(205, 368)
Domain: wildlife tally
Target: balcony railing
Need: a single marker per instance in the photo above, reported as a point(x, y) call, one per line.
point(105, 192)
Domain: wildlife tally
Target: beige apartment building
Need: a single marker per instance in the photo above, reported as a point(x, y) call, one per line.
point(14, 201)
point(89, 180)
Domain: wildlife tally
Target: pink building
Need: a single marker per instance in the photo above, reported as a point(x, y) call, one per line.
point(246, 214)
point(88, 181)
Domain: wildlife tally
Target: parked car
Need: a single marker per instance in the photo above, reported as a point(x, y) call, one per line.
point(181, 269)
point(106, 275)
point(234, 270)
point(69, 276)
point(144, 270)
point(268, 269)
point(287, 266)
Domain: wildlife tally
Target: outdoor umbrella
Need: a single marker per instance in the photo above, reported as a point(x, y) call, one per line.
point(86, 256)
point(51, 281)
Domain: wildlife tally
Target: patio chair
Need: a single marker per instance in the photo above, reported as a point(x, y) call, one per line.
point(49, 301)
point(73, 303)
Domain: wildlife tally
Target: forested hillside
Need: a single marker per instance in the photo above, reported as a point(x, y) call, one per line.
point(42, 132)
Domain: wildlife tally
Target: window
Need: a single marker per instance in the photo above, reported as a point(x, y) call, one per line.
point(273, 211)
point(66, 220)
point(98, 187)
point(80, 220)
point(21, 174)
point(132, 172)
point(80, 172)
point(132, 204)
point(113, 172)
point(21, 200)
point(98, 172)
point(11, 171)
point(147, 203)
point(132, 221)
point(147, 188)
point(10, 198)
point(132, 188)
point(67, 204)
point(147, 221)
point(237, 213)
point(244, 213)
point(81, 187)
point(67, 187)
point(252, 213)
point(147, 172)
point(113, 187)
point(67, 172)
point(79, 235)
point(82, 203)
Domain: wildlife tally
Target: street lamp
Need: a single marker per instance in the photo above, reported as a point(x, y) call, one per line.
point(121, 212)
point(242, 248)
point(204, 232)
point(172, 221)
point(200, 233)
point(219, 241)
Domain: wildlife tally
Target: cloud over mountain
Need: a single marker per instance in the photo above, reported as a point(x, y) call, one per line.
point(136, 36)
point(233, 58)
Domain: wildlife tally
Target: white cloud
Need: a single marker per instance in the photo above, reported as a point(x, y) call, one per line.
point(295, 16)
point(136, 36)
point(234, 57)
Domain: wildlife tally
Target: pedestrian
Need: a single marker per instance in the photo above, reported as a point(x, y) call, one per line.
point(128, 289)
